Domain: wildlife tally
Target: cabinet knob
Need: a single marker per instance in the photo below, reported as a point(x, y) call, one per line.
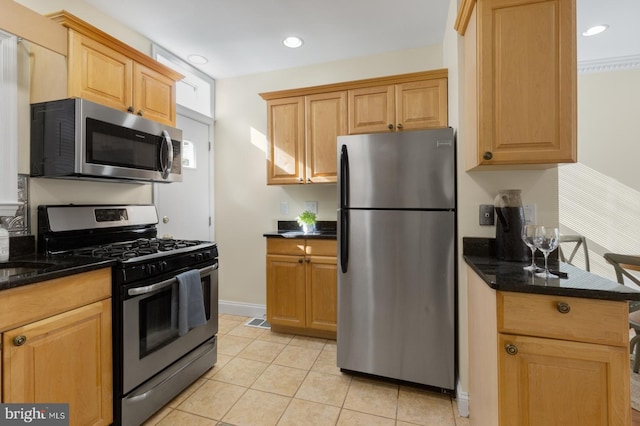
point(390, 126)
point(511, 349)
point(399, 126)
point(20, 340)
point(487, 155)
point(130, 109)
point(308, 260)
point(309, 180)
point(140, 113)
point(563, 307)
point(300, 180)
point(300, 260)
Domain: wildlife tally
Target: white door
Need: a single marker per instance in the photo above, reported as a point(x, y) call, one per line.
point(185, 208)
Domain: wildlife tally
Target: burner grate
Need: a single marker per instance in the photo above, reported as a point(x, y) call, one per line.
point(136, 248)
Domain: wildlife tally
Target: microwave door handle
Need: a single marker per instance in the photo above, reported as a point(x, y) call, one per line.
point(169, 147)
point(166, 283)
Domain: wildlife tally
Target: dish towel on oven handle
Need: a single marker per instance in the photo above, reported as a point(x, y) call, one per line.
point(190, 302)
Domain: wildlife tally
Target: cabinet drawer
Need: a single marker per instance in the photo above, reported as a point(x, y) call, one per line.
point(293, 246)
point(587, 320)
point(322, 247)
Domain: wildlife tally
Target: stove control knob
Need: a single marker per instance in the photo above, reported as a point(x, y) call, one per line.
point(152, 269)
point(163, 266)
point(199, 257)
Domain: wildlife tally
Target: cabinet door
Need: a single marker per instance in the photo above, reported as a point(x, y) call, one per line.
point(326, 115)
point(526, 81)
point(421, 104)
point(372, 110)
point(322, 293)
point(66, 358)
point(285, 290)
point(154, 95)
point(556, 382)
point(285, 157)
point(98, 73)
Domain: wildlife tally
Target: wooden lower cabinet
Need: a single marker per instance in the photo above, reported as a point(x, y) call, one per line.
point(302, 286)
point(65, 356)
point(534, 363)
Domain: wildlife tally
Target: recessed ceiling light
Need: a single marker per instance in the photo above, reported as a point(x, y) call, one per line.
point(596, 29)
point(197, 59)
point(292, 42)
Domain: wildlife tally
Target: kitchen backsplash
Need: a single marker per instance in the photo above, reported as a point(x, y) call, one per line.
point(19, 224)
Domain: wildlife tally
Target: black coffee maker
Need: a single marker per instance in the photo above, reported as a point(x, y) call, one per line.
point(509, 224)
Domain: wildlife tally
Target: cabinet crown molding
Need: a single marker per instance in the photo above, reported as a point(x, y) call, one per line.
point(74, 23)
point(357, 84)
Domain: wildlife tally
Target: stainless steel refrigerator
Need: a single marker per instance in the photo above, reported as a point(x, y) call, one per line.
point(396, 249)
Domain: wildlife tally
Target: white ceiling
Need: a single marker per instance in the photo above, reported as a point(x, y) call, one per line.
point(244, 36)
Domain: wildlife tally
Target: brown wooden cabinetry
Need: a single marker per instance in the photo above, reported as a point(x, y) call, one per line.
point(407, 106)
point(540, 360)
point(303, 131)
point(520, 81)
point(304, 124)
point(302, 286)
point(56, 345)
point(104, 70)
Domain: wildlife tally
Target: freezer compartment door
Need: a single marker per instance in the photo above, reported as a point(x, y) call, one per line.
point(404, 170)
point(396, 313)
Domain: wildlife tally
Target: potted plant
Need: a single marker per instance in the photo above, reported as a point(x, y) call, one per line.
point(307, 220)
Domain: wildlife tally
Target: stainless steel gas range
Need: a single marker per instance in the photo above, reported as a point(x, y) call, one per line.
point(152, 361)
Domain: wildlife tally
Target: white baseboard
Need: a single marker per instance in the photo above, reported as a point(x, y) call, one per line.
point(462, 398)
point(243, 309)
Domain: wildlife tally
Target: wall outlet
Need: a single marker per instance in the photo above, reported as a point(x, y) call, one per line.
point(529, 214)
point(311, 206)
point(487, 215)
point(284, 208)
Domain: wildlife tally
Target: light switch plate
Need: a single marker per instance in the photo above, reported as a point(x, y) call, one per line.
point(487, 216)
point(311, 206)
point(284, 208)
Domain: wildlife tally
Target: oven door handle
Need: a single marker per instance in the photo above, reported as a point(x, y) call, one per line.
point(166, 283)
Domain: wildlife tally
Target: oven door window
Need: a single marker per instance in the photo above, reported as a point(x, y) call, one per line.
point(158, 320)
point(158, 317)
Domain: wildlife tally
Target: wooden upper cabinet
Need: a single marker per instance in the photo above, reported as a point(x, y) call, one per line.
point(304, 124)
point(421, 104)
point(326, 119)
point(104, 70)
point(98, 73)
point(520, 81)
point(407, 106)
point(285, 156)
point(372, 109)
point(155, 94)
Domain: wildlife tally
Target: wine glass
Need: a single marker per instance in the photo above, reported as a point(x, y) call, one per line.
point(546, 240)
point(528, 233)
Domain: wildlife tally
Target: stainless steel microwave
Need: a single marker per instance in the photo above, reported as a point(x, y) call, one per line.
point(76, 138)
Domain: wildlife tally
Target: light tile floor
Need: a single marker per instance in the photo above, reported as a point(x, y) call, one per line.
point(265, 379)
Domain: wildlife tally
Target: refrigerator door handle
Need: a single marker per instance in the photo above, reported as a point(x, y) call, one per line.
point(344, 177)
point(344, 240)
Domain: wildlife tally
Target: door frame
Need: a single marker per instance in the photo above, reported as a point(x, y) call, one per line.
point(207, 121)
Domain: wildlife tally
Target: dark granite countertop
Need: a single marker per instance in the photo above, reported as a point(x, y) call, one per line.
point(509, 276)
point(290, 229)
point(34, 268)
